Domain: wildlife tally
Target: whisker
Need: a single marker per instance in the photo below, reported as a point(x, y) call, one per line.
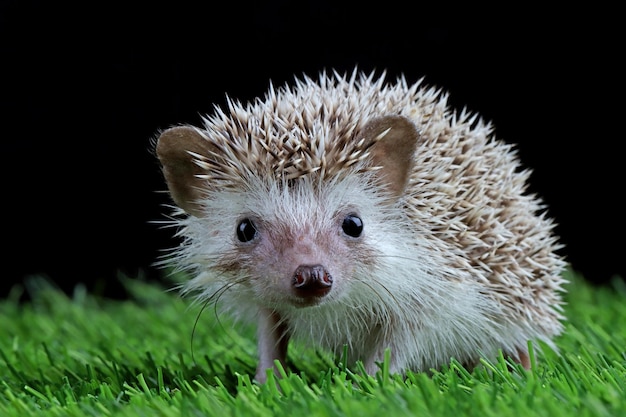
point(375, 292)
point(195, 324)
point(212, 299)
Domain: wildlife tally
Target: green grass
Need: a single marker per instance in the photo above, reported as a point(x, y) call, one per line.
point(85, 356)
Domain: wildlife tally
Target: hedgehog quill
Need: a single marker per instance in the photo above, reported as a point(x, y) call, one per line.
point(351, 211)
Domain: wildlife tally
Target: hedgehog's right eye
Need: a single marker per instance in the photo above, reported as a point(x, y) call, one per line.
point(246, 231)
point(352, 225)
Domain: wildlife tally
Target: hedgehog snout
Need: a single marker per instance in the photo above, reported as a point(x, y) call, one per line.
point(312, 281)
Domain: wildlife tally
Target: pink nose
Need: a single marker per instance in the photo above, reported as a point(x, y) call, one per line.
point(312, 281)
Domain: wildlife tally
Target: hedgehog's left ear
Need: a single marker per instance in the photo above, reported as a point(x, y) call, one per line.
point(175, 149)
point(394, 151)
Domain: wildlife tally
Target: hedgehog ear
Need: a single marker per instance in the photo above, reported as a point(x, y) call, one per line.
point(174, 149)
point(394, 152)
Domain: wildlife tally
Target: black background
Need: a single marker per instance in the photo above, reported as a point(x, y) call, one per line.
point(86, 87)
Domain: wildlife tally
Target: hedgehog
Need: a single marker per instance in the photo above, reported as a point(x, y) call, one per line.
point(366, 217)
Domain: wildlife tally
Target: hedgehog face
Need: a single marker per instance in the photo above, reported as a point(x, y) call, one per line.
point(300, 249)
point(294, 238)
point(290, 245)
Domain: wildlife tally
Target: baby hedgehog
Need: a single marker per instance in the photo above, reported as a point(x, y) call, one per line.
point(349, 211)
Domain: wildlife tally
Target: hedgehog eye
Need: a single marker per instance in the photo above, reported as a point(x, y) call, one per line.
point(352, 225)
point(246, 231)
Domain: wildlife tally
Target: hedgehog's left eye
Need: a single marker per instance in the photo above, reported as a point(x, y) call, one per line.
point(352, 225)
point(246, 231)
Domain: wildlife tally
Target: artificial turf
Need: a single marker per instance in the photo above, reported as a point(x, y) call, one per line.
point(83, 355)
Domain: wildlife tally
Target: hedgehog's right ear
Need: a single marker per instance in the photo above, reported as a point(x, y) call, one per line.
point(393, 152)
point(174, 149)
